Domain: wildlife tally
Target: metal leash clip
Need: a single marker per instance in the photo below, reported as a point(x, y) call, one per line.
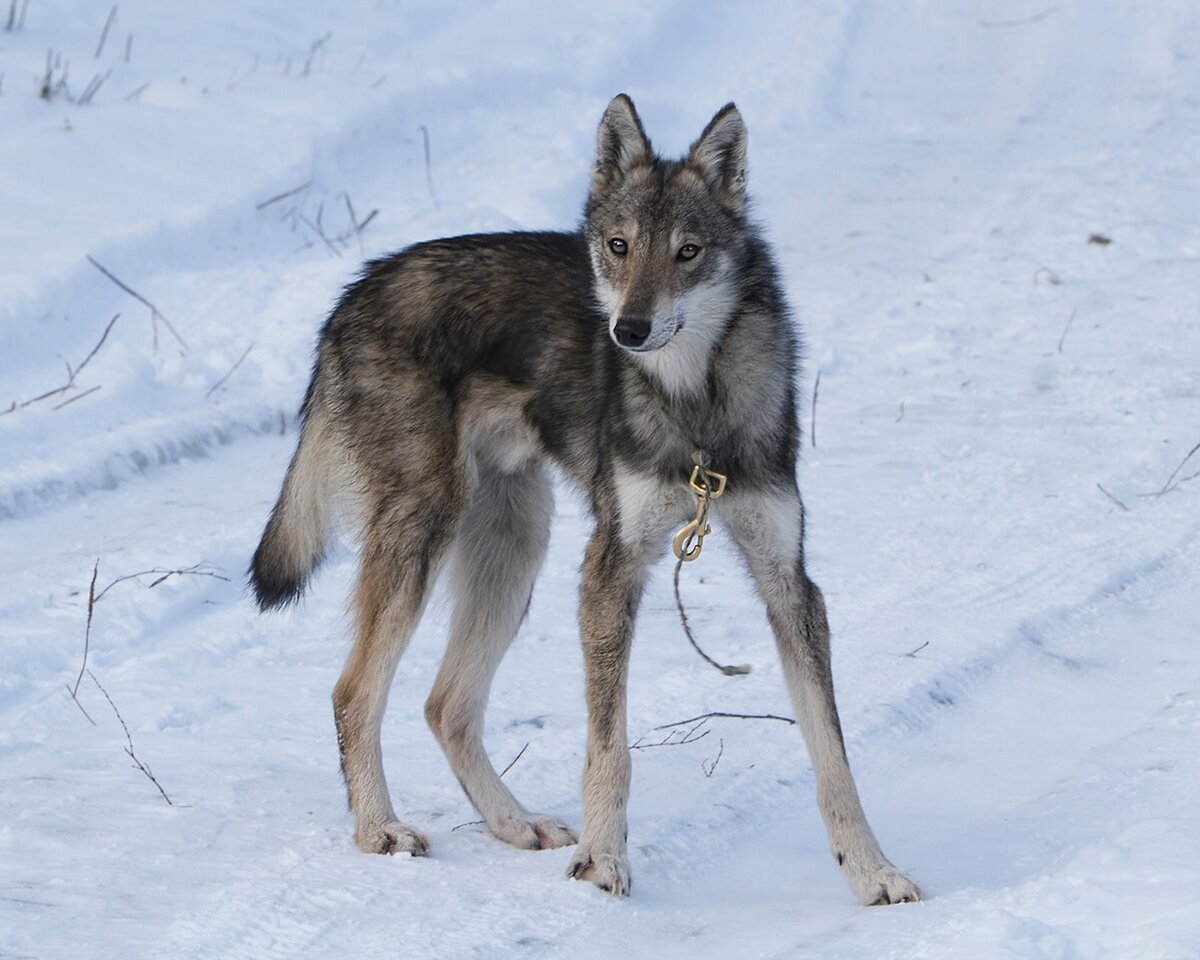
point(707, 485)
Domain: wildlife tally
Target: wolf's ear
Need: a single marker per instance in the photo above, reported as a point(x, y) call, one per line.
point(720, 156)
point(621, 144)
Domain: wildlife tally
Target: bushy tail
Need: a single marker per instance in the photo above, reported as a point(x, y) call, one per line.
point(294, 542)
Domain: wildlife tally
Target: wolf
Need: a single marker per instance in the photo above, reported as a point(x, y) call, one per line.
point(652, 343)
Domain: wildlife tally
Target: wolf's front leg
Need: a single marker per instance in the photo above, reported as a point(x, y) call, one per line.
point(613, 579)
point(767, 526)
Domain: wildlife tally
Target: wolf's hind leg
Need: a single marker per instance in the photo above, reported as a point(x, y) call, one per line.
point(767, 526)
point(405, 542)
point(499, 549)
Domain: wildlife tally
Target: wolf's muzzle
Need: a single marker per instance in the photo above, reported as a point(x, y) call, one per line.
point(631, 332)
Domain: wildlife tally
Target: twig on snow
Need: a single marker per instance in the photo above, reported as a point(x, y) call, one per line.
point(710, 768)
point(93, 86)
point(230, 372)
point(1100, 487)
point(78, 396)
point(87, 642)
point(722, 714)
point(130, 752)
point(1020, 22)
point(812, 430)
point(689, 736)
point(316, 47)
point(428, 166)
point(913, 653)
point(155, 313)
point(1167, 487)
point(72, 373)
point(112, 15)
point(283, 196)
point(513, 761)
point(1045, 273)
point(195, 570)
point(1066, 330)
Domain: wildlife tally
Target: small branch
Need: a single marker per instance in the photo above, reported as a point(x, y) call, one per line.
point(1066, 330)
point(87, 630)
point(128, 46)
point(112, 15)
point(195, 570)
point(514, 760)
point(134, 94)
point(1022, 22)
point(12, 16)
point(316, 228)
point(129, 741)
point(1100, 487)
point(913, 653)
point(93, 86)
point(812, 431)
point(71, 375)
point(229, 373)
point(78, 396)
point(1174, 473)
point(722, 714)
point(283, 196)
point(155, 313)
point(689, 736)
point(710, 768)
point(900, 415)
point(313, 51)
point(428, 166)
point(1045, 273)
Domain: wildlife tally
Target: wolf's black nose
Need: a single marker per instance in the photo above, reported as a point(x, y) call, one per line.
point(631, 331)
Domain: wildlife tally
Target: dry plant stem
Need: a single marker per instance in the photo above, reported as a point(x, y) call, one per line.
point(1066, 330)
point(313, 51)
point(129, 741)
point(428, 166)
point(689, 736)
point(155, 313)
point(1167, 486)
point(711, 768)
point(812, 430)
point(283, 196)
point(72, 373)
point(512, 762)
point(87, 633)
point(230, 372)
point(1100, 487)
point(112, 15)
point(193, 571)
point(1022, 22)
point(722, 714)
point(913, 653)
point(78, 396)
point(93, 86)
point(12, 15)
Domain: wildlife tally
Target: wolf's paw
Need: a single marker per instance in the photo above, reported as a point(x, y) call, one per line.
point(533, 832)
point(391, 836)
point(880, 883)
point(608, 871)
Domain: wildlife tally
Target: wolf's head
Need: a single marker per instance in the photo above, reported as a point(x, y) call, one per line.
point(664, 238)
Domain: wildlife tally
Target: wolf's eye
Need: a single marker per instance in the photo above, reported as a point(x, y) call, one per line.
point(688, 251)
point(618, 246)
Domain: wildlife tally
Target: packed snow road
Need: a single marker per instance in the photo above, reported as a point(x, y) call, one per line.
point(989, 225)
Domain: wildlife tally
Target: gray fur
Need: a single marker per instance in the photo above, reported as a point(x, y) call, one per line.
point(449, 373)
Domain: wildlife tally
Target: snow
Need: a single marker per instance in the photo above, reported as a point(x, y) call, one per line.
point(1015, 651)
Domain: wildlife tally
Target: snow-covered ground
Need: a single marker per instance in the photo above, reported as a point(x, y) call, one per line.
point(1015, 648)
